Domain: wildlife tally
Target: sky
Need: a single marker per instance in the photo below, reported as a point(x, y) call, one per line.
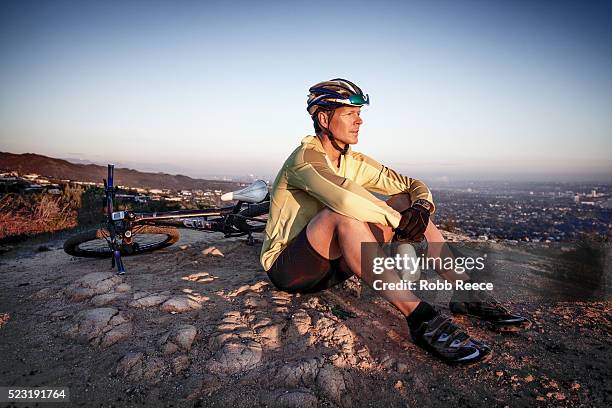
point(460, 90)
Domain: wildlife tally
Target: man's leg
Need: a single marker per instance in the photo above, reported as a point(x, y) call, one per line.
point(480, 305)
point(334, 235)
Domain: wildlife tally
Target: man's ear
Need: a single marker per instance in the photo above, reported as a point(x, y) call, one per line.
point(322, 117)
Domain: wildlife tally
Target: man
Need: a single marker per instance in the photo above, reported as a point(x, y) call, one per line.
point(321, 211)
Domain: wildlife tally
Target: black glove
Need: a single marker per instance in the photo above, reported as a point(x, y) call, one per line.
point(413, 224)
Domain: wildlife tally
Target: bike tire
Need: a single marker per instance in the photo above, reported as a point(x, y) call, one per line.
point(258, 210)
point(93, 243)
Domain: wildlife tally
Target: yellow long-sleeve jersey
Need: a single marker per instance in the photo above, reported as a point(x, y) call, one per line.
point(309, 182)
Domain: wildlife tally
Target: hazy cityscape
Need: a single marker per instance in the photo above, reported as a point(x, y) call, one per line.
point(540, 212)
point(536, 212)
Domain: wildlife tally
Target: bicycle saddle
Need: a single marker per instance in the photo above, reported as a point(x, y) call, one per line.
point(254, 193)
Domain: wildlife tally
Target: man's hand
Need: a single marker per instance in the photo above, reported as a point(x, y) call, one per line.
point(413, 223)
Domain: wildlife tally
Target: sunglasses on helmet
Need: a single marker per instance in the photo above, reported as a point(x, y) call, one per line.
point(354, 100)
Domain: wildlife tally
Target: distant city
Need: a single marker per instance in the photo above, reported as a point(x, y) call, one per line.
point(494, 211)
point(537, 212)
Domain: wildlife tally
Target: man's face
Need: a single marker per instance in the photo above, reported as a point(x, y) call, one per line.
point(345, 124)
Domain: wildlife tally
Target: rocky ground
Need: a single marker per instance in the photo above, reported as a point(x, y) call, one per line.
point(196, 326)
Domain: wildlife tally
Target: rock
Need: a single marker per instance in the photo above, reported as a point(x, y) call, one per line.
point(102, 326)
point(130, 366)
point(184, 336)
point(200, 277)
point(180, 304)
point(259, 286)
point(398, 385)
point(146, 301)
point(264, 321)
point(154, 370)
point(139, 295)
point(169, 348)
point(118, 333)
point(104, 299)
point(233, 317)
point(239, 291)
point(302, 322)
point(270, 336)
point(217, 341)
point(180, 363)
point(234, 358)
point(92, 284)
point(123, 288)
point(45, 293)
point(100, 281)
point(118, 319)
point(90, 323)
point(335, 384)
point(301, 375)
point(402, 368)
point(77, 294)
point(181, 337)
point(255, 302)
point(232, 328)
point(212, 251)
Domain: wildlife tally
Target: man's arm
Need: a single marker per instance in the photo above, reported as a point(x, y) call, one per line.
point(381, 179)
point(312, 174)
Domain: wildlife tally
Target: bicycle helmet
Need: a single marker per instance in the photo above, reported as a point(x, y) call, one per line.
point(332, 94)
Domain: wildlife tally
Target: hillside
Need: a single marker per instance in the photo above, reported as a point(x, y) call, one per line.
point(64, 170)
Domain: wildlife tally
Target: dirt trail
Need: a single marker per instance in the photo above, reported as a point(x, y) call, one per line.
point(186, 329)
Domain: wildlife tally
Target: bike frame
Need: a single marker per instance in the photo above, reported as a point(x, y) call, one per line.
point(120, 223)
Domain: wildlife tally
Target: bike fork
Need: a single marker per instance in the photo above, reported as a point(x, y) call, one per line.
point(109, 194)
point(117, 260)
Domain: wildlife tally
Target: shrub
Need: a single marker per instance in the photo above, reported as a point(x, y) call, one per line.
point(33, 214)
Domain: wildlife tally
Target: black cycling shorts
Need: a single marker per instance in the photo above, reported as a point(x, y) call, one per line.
point(301, 269)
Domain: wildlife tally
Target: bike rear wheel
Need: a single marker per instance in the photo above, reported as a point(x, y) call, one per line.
point(145, 238)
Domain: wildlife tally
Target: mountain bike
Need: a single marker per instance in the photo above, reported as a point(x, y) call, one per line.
point(127, 233)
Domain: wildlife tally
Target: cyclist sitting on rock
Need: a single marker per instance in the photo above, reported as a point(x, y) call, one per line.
point(321, 211)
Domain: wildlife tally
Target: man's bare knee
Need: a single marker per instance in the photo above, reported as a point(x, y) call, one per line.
point(344, 224)
point(335, 218)
point(323, 230)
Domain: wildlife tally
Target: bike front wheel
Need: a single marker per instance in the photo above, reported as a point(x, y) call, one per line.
point(145, 238)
